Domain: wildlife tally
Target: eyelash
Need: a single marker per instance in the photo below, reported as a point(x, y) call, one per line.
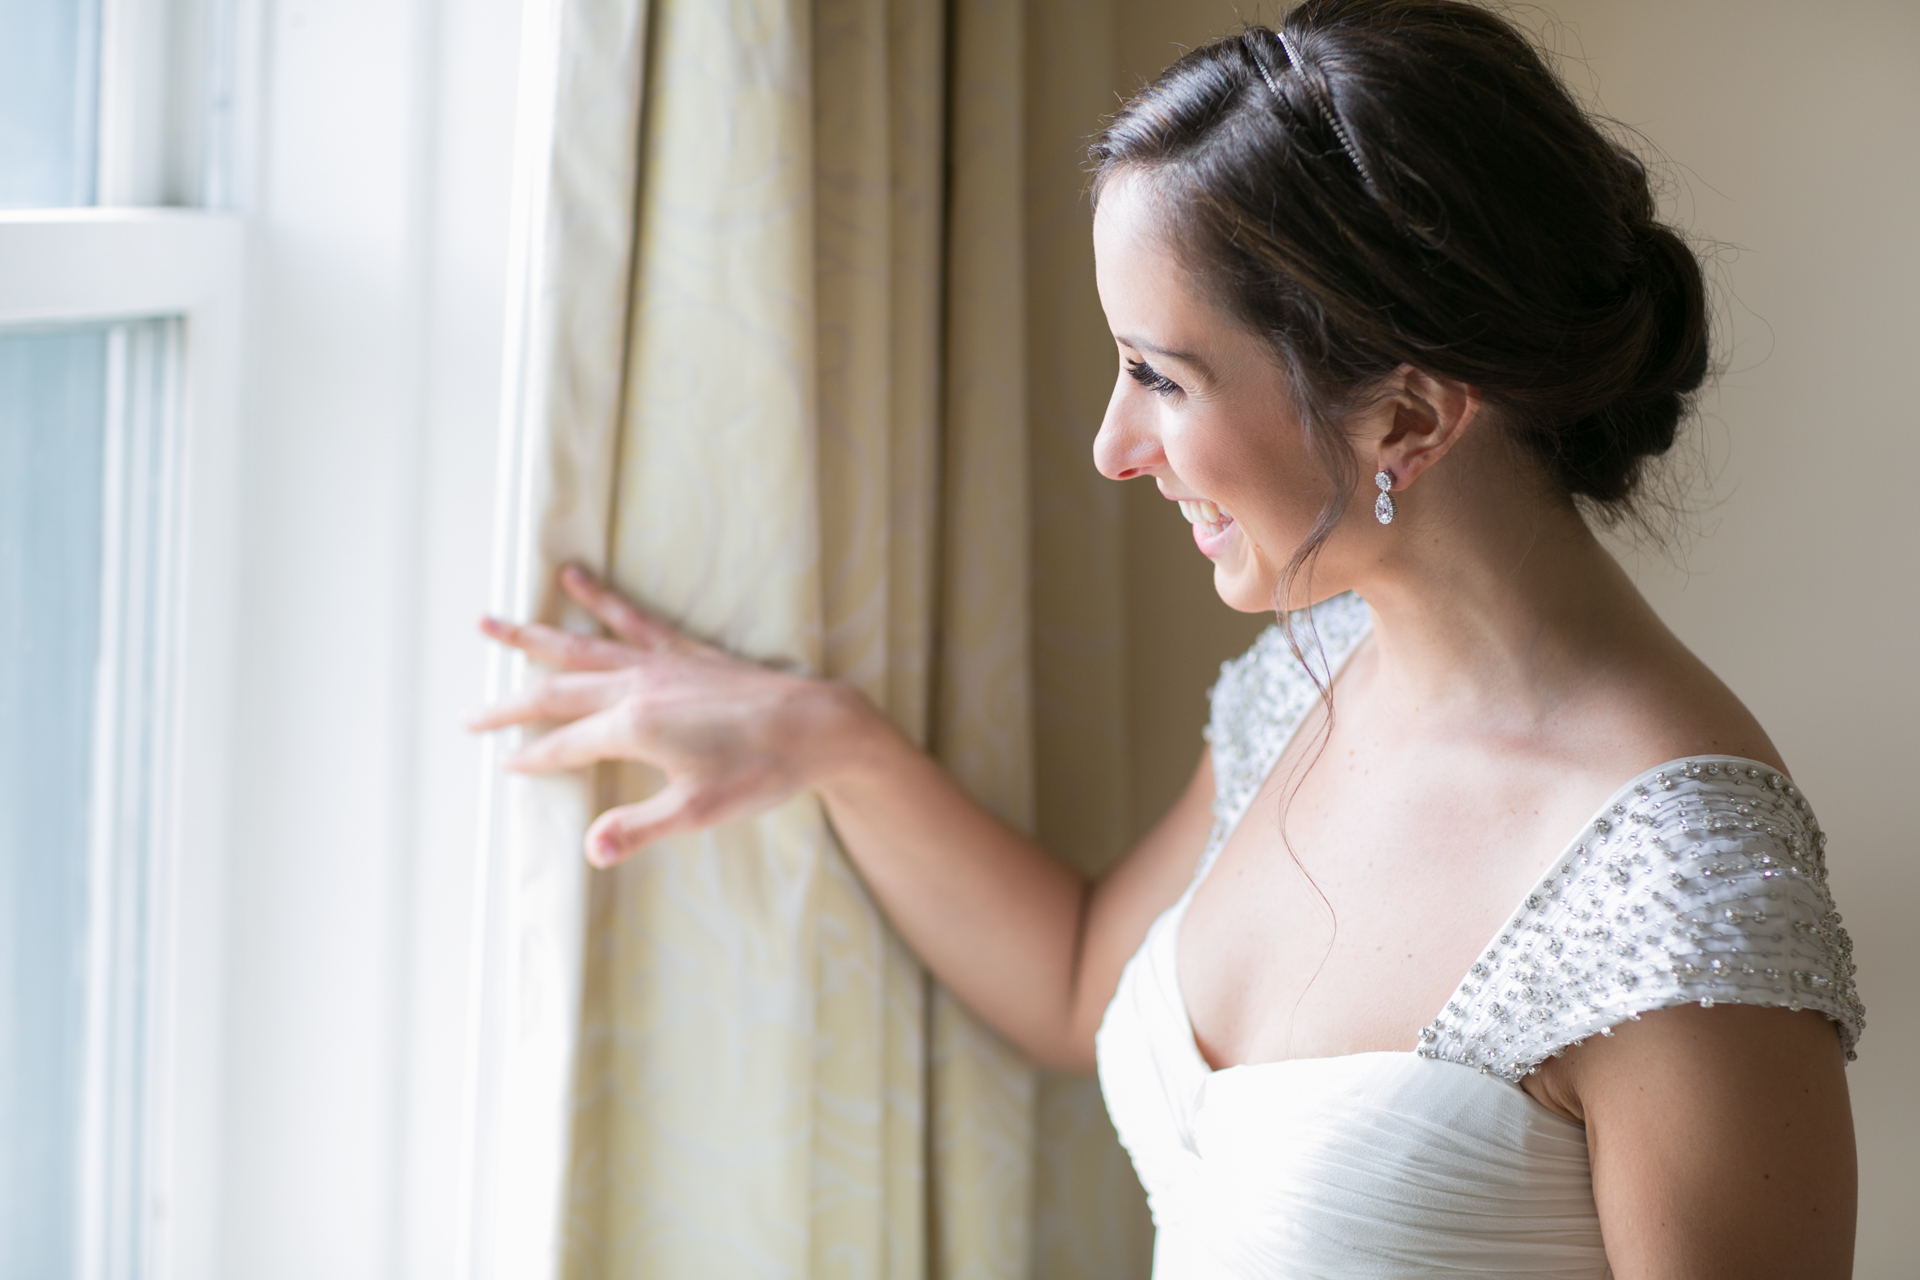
point(1151, 378)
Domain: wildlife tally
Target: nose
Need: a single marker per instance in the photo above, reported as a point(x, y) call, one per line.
point(1127, 445)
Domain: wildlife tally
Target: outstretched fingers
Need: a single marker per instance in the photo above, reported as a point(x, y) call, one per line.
point(618, 834)
point(622, 616)
point(604, 735)
point(552, 647)
point(561, 697)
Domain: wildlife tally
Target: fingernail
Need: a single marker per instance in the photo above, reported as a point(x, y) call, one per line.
point(603, 852)
point(574, 573)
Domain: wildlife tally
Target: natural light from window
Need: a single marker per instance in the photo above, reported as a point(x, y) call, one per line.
point(88, 488)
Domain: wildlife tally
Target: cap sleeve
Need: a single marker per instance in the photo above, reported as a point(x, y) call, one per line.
point(1703, 882)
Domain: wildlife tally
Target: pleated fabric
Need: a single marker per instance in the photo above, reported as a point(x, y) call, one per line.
point(1361, 1166)
point(820, 457)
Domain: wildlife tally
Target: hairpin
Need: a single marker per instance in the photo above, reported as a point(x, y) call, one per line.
point(1325, 102)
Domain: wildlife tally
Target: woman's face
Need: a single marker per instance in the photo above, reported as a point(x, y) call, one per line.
point(1202, 406)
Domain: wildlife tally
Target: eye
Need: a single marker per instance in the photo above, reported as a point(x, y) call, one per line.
point(1151, 378)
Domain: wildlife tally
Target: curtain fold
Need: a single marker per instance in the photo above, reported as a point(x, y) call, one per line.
point(982, 1091)
point(819, 456)
point(574, 172)
point(694, 1129)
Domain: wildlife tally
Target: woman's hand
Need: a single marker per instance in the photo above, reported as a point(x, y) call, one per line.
point(1025, 940)
point(732, 737)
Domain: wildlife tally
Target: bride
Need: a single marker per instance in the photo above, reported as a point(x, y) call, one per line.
point(1491, 936)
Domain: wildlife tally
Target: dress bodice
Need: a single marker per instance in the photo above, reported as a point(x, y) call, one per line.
point(1701, 880)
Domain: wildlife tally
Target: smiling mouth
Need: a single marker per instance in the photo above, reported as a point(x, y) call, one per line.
point(1205, 517)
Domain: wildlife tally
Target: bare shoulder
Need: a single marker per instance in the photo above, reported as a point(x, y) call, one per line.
point(1721, 1139)
point(1656, 700)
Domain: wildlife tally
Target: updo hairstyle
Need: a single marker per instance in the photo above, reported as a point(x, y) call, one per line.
point(1421, 189)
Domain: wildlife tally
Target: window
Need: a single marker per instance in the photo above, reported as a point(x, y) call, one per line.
point(117, 380)
point(86, 477)
point(51, 408)
point(49, 62)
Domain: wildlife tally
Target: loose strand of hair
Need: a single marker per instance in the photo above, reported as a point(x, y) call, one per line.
point(1337, 461)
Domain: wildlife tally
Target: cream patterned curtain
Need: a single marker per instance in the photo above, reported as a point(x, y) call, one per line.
point(821, 457)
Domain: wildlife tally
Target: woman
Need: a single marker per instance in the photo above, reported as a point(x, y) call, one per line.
point(1490, 936)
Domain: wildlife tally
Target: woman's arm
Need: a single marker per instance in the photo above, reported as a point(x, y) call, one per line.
point(1019, 936)
point(1721, 1139)
point(1023, 939)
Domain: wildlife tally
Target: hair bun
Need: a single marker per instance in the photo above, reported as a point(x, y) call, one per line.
point(1677, 357)
point(1663, 318)
point(1408, 182)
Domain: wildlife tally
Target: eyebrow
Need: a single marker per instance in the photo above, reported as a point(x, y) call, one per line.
point(1187, 356)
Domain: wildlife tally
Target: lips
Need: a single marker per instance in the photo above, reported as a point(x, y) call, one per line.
point(1211, 526)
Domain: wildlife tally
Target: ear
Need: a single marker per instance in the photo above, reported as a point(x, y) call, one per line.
point(1426, 416)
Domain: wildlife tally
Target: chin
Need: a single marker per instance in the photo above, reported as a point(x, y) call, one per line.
point(1243, 591)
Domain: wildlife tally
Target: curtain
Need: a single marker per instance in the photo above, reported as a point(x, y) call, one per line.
point(805, 394)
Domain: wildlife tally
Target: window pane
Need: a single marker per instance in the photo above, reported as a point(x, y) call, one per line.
point(49, 59)
point(86, 489)
point(52, 437)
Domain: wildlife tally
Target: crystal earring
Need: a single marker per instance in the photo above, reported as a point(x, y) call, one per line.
point(1383, 505)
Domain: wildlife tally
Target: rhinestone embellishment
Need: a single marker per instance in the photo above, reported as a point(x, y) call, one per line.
point(1709, 938)
point(1383, 505)
point(1708, 882)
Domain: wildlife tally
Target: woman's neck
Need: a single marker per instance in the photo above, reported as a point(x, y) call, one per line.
point(1501, 607)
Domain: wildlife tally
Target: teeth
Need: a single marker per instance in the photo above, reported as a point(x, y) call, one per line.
point(1200, 511)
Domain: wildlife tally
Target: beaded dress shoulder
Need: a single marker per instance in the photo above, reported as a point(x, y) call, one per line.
point(1702, 880)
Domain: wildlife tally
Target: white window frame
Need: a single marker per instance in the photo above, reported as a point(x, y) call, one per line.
point(90, 265)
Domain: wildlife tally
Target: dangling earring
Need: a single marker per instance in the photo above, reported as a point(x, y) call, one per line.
point(1383, 505)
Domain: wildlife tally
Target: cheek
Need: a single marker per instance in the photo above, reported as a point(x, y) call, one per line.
point(1259, 471)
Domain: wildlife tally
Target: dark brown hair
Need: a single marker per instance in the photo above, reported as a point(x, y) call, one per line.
point(1424, 190)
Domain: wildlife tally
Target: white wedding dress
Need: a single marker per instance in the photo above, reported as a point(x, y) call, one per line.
point(1701, 880)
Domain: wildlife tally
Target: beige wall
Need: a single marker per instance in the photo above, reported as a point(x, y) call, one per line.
point(1795, 143)
point(1793, 140)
